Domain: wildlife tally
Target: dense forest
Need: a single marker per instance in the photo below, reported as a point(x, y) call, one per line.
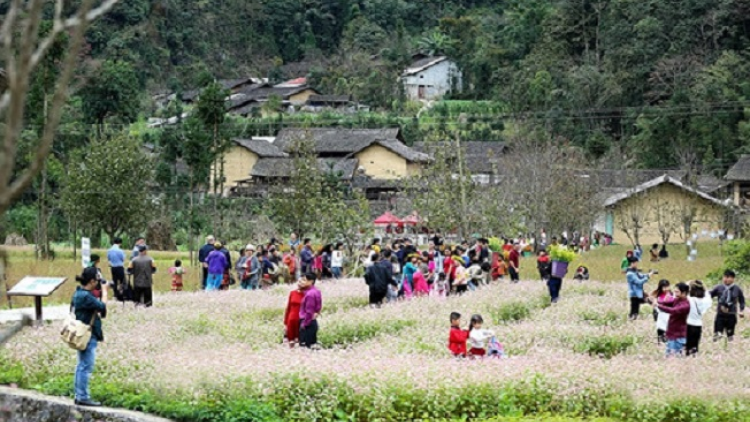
point(631, 83)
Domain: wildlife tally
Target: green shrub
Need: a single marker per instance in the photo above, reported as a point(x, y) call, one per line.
point(10, 372)
point(345, 334)
point(605, 346)
point(510, 312)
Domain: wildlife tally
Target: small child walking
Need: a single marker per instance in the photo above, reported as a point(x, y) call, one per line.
point(177, 272)
point(478, 337)
point(457, 337)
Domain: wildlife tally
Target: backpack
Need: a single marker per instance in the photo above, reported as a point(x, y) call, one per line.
point(495, 348)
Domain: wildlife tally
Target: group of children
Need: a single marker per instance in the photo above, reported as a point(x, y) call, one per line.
point(480, 342)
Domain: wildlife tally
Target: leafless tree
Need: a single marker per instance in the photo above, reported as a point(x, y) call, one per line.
point(22, 47)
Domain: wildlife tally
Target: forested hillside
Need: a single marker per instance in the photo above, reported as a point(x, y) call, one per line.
point(631, 83)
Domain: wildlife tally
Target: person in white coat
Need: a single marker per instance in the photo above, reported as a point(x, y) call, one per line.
point(478, 337)
point(700, 302)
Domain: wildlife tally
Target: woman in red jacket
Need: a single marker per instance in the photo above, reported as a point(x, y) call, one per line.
point(291, 316)
point(457, 337)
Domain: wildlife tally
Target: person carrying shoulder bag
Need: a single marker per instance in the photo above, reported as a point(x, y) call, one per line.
point(89, 310)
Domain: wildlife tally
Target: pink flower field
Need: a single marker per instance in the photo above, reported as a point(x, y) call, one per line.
point(194, 343)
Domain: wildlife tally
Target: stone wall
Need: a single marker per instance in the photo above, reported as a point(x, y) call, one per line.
point(25, 406)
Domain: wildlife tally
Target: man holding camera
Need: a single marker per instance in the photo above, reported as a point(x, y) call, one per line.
point(636, 280)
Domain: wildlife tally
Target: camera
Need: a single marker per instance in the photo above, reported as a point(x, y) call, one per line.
point(653, 272)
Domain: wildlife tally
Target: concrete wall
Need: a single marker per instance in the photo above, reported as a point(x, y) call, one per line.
point(238, 162)
point(382, 163)
point(435, 79)
point(26, 406)
point(671, 200)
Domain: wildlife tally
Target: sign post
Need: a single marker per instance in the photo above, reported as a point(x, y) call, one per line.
point(85, 251)
point(37, 287)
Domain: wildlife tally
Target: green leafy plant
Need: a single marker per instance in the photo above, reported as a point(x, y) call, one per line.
point(606, 346)
point(562, 254)
point(495, 244)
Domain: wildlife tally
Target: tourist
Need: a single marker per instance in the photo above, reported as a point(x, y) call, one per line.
point(678, 311)
point(514, 264)
point(239, 266)
point(318, 264)
point(306, 257)
point(293, 242)
point(116, 259)
point(408, 272)
point(291, 315)
point(143, 268)
point(395, 286)
point(419, 278)
point(377, 278)
point(449, 268)
point(700, 302)
point(636, 281)
point(325, 255)
point(375, 246)
point(478, 337)
point(625, 264)
point(662, 294)
point(217, 264)
point(226, 278)
point(290, 262)
point(460, 277)
point(337, 260)
point(177, 272)
point(457, 337)
point(251, 277)
point(409, 249)
point(139, 241)
point(663, 254)
point(654, 252)
point(731, 305)
point(309, 311)
point(268, 270)
point(88, 309)
point(202, 255)
point(544, 265)
point(94, 261)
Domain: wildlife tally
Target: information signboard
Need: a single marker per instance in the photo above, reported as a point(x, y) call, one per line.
point(36, 286)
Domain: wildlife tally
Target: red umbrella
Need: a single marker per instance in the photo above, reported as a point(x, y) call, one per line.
point(412, 219)
point(386, 219)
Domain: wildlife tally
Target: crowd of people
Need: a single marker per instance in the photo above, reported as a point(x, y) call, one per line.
point(398, 270)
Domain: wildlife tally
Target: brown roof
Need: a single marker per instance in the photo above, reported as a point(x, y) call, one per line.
point(283, 167)
point(336, 140)
point(482, 157)
point(740, 171)
point(258, 93)
point(260, 147)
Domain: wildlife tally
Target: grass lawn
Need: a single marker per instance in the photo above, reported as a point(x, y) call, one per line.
point(217, 356)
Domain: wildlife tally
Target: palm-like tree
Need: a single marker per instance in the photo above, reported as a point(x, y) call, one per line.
point(435, 43)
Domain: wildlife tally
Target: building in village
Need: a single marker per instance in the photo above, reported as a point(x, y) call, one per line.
point(371, 159)
point(231, 85)
point(662, 205)
point(430, 78)
point(739, 178)
point(482, 158)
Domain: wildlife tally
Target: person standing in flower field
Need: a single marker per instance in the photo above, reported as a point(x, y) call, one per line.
point(700, 302)
point(291, 315)
point(143, 268)
point(116, 259)
point(216, 263)
point(140, 241)
point(177, 272)
point(306, 257)
point(731, 305)
point(88, 308)
point(514, 263)
point(378, 278)
point(337, 261)
point(202, 255)
point(625, 264)
point(457, 337)
point(662, 294)
point(636, 281)
point(309, 311)
point(678, 311)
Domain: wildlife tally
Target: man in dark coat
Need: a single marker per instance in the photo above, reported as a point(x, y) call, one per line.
point(377, 278)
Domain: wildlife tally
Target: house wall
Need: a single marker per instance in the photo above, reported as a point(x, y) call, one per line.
point(382, 163)
point(238, 163)
point(709, 215)
point(413, 169)
point(300, 98)
point(436, 80)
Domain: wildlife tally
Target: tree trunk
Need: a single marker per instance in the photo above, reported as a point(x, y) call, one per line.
point(190, 223)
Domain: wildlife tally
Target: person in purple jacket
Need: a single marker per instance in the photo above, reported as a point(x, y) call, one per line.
point(309, 311)
point(217, 263)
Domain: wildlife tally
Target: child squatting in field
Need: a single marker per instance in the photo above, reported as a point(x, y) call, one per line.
point(475, 336)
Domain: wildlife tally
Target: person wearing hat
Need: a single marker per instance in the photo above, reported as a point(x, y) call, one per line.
point(143, 268)
point(88, 308)
point(700, 302)
point(217, 264)
point(243, 266)
point(202, 255)
point(636, 281)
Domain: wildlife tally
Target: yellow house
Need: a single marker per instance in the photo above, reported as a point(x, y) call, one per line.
point(240, 159)
point(662, 207)
point(381, 154)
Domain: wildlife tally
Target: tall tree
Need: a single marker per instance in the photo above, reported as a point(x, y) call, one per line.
point(108, 186)
point(111, 92)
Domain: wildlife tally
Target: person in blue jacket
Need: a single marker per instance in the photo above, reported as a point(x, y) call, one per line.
point(90, 310)
point(636, 280)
